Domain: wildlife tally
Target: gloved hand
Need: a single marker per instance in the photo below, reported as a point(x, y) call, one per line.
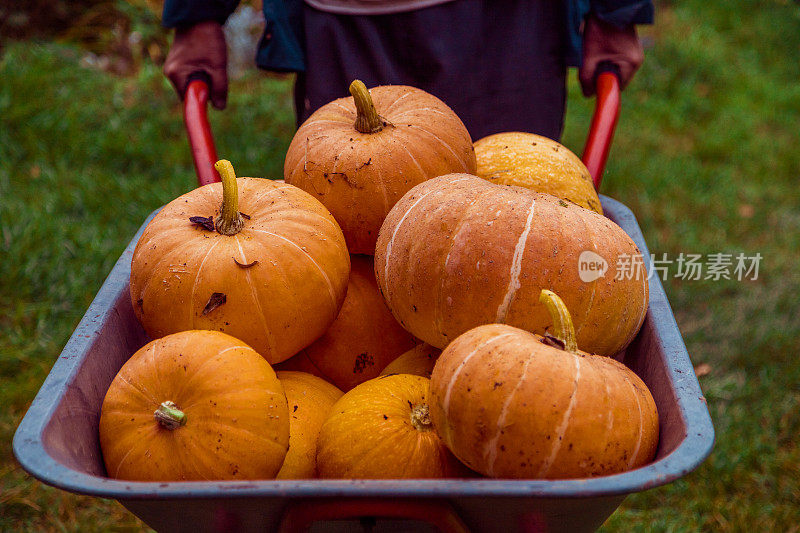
point(605, 42)
point(199, 48)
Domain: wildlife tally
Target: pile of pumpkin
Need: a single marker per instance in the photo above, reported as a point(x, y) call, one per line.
point(464, 347)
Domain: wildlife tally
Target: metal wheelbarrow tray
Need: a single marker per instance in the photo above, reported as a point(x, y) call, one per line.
point(58, 442)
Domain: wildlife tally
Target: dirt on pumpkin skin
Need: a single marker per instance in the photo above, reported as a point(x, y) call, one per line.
point(206, 223)
point(215, 300)
point(243, 265)
point(363, 361)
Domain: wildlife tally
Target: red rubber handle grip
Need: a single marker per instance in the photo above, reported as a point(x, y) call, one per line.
point(601, 130)
point(299, 516)
point(201, 141)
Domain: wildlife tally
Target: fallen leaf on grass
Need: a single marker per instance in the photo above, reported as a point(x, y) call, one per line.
point(703, 369)
point(746, 211)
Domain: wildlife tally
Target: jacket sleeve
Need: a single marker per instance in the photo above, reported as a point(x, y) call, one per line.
point(179, 13)
point(620, 13)
point(623, 13)
point(281, 48)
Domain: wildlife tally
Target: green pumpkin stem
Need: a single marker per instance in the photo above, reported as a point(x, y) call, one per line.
point(367, 120)
point(421, 417)
point(169, 416)
point(230, 221)
point(563, 328)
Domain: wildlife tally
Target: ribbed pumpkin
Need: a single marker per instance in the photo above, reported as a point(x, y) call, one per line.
point(419, 361)
point(359, 155)
point(512, 404)
point(195, 405)
point(310, 400)
point(536, 163)
point(457, 252)
point(363, 339)
point(269, 266)
point(382, 429)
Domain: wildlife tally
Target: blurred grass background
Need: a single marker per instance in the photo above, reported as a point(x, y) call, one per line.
point(706, 154)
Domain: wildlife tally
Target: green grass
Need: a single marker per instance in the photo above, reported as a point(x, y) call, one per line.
point(705, 155)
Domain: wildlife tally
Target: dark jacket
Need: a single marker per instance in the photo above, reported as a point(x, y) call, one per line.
point(280, 48)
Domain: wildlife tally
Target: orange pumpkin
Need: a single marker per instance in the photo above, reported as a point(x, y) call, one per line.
point(536, 163)
point(512, 404)
point(362, 340)
point(358, 157)
point(457, 252)
point(382, 429)
point(419, 361)
point(310, 400)
point(194, 405)
point(269, 266)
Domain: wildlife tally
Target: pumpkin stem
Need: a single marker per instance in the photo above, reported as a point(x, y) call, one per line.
point(230, 221)
point(562, 321)
point(367, 120)
point(421, 417)
point(169, 416)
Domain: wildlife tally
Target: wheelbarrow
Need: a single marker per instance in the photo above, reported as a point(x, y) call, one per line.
point(57, 441)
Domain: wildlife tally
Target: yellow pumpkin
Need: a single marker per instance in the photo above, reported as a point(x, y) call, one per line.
point(419, 361)
point(382, 429)
point(362, 340)
point(269, 266)
point(536, 163)
point(457, 252)
point(359, 155)
point(512, 404)
point(195, 405)
point(310, 400)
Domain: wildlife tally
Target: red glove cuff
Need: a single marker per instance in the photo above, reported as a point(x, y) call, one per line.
point(199, 49)
point(605, 42)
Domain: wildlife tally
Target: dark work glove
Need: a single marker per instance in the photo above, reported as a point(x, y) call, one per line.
point(606, 42)
point(199, 48)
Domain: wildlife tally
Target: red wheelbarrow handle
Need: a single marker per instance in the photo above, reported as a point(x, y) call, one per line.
point(298, 517)
point(604, 121)
point(201, 141)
